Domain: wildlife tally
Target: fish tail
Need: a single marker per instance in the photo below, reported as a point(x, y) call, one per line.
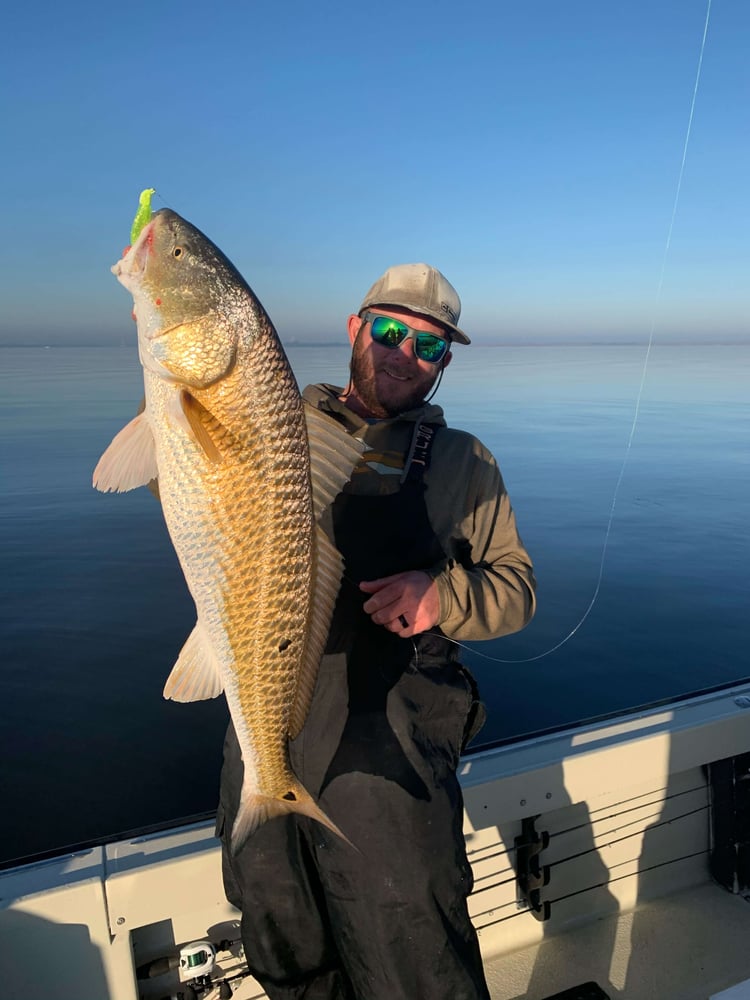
point(257, 809)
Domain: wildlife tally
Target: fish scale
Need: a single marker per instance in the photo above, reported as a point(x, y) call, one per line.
point(226, 433)
point(279, 523)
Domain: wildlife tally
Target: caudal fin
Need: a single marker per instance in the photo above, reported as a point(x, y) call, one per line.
point(257, 809)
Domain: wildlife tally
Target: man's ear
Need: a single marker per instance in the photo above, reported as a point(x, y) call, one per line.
point(353, 326)
point(447, 360)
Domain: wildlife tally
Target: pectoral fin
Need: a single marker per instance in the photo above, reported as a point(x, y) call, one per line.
point(129, 461)
point(196, 675)
point(199, 424)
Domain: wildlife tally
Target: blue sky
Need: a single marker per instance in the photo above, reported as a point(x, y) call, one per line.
point(530, 150)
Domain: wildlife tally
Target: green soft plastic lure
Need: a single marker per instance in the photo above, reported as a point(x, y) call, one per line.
point(143, 215)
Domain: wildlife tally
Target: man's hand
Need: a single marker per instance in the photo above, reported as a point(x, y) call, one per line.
point(406, 603)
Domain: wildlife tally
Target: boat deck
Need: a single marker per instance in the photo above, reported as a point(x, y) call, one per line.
point(692, 945)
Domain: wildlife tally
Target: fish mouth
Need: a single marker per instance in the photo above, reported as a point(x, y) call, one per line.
point(132, 264)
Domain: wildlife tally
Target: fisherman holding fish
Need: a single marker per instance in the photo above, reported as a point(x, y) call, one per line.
point(338, 548)
point(431, 553)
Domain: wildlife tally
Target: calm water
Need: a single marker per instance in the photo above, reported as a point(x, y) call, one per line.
point(94, 609)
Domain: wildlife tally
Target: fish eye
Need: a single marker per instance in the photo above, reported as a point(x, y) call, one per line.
point(177, 252)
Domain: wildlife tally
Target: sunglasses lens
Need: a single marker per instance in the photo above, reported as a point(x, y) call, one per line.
point(388, 332)
point(430, 348)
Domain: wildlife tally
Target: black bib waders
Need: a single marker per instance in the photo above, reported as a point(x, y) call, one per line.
point(380, 748)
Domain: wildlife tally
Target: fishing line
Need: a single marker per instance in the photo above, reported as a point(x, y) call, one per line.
point(636, 413)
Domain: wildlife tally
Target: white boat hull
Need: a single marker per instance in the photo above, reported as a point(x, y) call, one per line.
point(631, 903)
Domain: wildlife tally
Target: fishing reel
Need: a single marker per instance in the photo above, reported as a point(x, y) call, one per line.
point(197, 959)
point(196, 962)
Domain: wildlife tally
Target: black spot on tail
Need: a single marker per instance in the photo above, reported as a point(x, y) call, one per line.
point(284, 644)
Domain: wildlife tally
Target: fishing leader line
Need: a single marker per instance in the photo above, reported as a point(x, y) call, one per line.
point(639, 395)
point(636, 413)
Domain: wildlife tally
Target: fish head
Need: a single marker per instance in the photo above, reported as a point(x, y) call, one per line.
point(185, 294)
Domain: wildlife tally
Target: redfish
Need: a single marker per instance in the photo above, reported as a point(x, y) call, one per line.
point(245, 470)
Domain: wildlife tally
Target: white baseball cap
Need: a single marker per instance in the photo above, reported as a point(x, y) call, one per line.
point(424, 290)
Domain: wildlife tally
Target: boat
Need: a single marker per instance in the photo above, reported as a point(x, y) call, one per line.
point(611, 859)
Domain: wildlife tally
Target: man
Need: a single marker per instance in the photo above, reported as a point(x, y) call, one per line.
point(431, 554)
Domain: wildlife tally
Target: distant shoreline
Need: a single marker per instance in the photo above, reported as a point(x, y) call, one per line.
point(337, 344)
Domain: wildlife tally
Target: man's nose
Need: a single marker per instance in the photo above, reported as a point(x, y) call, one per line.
point(407, 346)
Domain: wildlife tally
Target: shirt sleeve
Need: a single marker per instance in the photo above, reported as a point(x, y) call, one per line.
point(486, 583)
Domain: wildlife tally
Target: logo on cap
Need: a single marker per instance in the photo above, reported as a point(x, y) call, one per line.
point(444, 307)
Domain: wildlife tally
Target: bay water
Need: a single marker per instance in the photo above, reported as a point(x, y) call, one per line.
point(638, 532)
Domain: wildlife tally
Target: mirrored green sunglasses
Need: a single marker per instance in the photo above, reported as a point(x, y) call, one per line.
point(391, 332)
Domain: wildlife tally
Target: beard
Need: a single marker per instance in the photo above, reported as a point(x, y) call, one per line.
point(391, 399)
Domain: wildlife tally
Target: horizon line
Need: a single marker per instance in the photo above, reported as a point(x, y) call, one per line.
point(672, 341)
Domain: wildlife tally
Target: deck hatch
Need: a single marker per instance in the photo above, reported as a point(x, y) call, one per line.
point(586, 991)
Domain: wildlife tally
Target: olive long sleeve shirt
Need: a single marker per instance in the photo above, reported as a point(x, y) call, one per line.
point(485, 582)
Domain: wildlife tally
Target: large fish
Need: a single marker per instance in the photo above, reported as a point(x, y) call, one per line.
point(230, 440)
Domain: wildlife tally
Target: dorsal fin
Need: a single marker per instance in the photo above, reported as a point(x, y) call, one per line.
point(333, 455)
point(327, 572)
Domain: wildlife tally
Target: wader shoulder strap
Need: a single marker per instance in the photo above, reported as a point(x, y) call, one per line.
point(419, 458)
